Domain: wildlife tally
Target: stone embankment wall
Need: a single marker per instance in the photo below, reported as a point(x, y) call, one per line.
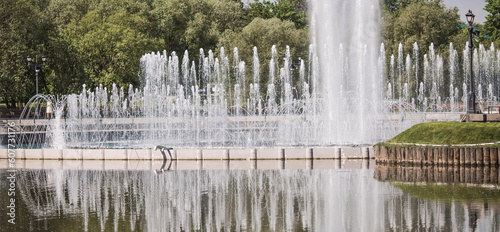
point(437, 155)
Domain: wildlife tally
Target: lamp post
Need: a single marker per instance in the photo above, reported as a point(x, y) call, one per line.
point(37, 67)
point(472, 95)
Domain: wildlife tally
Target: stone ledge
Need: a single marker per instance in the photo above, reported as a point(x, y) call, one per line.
point(194, 154)
point(493, 117)
point(149, 165)
point(215, 154)
point(326, 153)
point(52, 154)
point(270, 153)
point(242, 154)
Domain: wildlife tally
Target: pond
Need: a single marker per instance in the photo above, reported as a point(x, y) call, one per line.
point(248, 196)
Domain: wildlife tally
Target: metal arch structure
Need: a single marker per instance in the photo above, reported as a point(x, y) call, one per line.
point(162, 150)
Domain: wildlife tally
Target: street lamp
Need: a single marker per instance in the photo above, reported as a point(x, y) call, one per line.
point(37, 67)
point(472, 95)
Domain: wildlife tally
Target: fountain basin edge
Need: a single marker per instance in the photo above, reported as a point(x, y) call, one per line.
point(192, 154)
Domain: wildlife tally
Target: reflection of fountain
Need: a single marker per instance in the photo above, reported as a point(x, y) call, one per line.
point(200, 200)
point(475, 190)
point(254, 200)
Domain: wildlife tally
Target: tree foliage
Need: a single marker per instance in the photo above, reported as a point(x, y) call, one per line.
point(492, 24)
point(100, 42)
point(21, 24)
point(110, 47)
point(194, 24)
point(424, 22)
point(395, 5)
point(290, 10)
point(96, 41)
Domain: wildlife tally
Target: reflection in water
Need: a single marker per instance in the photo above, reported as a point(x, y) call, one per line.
point(255, 200)
point(440, 174)
point(474, 192)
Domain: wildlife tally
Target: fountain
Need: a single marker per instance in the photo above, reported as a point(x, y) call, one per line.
point(347, 44)
point(344, 93)
point(303, 108)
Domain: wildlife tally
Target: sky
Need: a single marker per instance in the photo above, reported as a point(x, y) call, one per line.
point(476, 6)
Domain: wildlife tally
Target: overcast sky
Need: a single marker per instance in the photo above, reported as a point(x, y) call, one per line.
point(476, 6)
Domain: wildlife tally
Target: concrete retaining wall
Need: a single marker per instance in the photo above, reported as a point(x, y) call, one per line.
point(194, 154)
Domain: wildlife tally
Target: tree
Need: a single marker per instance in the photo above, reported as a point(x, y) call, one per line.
point(291, 10)
point(194, 24)
point(424, 22)
point(95, 41)
point(396, 5)
point(23, 31)
point(109, 48)
point(492, 24)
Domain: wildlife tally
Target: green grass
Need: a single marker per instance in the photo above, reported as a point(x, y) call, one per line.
point(450, 133)
point(450, 192)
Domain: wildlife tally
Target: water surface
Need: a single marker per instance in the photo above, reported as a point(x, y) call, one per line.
point(275, 199)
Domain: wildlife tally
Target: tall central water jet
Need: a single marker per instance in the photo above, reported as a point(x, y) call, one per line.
point(346, 36)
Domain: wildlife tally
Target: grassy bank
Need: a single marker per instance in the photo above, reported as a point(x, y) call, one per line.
point(449, 133)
